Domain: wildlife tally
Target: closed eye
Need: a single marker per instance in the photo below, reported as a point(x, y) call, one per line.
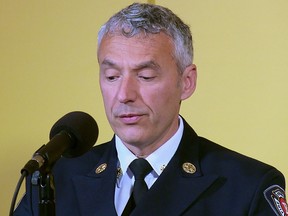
point(112, 78)
point(147, 78)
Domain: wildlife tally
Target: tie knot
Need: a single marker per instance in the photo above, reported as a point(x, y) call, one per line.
point(140, 168)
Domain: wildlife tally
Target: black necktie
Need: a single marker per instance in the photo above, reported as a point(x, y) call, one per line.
point(140, 169)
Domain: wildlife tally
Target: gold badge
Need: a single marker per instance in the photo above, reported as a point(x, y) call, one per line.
point(189, 168)
point(101, 168)
point(119, 172)
point(162, 167)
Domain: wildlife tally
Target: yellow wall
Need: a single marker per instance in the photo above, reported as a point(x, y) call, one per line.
point(48, 68)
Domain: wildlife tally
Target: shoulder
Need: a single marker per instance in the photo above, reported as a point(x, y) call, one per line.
point(229, 160)
point(259, 183)
point(237, 169)
point(215, 158)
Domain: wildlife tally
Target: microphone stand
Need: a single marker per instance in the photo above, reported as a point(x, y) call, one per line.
point(45, 183)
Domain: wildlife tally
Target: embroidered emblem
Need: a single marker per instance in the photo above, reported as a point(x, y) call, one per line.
point(101, 168)
point(275, 196)
point(189, 168)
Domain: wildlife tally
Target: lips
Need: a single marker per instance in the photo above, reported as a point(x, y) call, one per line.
point(130, 118)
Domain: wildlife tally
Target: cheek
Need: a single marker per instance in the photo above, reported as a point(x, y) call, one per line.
point(169, 92)
point(162, 99)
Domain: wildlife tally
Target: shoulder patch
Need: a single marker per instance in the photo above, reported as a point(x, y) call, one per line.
point(275, 196)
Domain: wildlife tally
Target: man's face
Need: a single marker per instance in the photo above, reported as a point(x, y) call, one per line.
point(141, 89)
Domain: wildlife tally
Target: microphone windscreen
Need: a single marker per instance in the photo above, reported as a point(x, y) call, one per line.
point(82, 128)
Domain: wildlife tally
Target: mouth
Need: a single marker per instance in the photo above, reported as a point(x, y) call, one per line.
point(130, 118)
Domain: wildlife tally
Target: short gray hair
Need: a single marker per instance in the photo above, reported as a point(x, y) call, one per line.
point(148, 18)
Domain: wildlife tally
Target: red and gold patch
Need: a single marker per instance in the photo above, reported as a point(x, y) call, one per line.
point(275, 196)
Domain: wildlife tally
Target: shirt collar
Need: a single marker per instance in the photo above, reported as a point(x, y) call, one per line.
point(158, 159)
point(125, 156)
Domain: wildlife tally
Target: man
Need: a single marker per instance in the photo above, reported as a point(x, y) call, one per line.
point(145, 56)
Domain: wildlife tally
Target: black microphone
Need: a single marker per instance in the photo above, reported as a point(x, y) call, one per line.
point(71, 136)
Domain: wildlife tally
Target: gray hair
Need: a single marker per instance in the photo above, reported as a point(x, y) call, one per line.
point(148, 18)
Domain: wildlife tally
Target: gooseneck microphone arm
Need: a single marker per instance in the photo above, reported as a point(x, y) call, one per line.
point(47, 154)
point(71, 136)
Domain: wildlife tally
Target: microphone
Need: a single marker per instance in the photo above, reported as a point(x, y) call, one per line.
point(71, 136)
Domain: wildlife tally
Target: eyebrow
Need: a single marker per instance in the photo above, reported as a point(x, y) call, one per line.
point(147, 64)
point(108, 63)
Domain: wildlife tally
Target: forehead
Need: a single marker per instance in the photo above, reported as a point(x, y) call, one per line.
point(141, 44)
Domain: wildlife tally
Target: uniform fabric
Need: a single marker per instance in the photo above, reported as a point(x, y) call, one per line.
point(202, 178)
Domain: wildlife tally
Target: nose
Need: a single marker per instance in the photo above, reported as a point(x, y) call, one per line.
point(127, 91)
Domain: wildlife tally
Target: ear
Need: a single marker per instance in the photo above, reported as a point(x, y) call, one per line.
point(189, 78)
